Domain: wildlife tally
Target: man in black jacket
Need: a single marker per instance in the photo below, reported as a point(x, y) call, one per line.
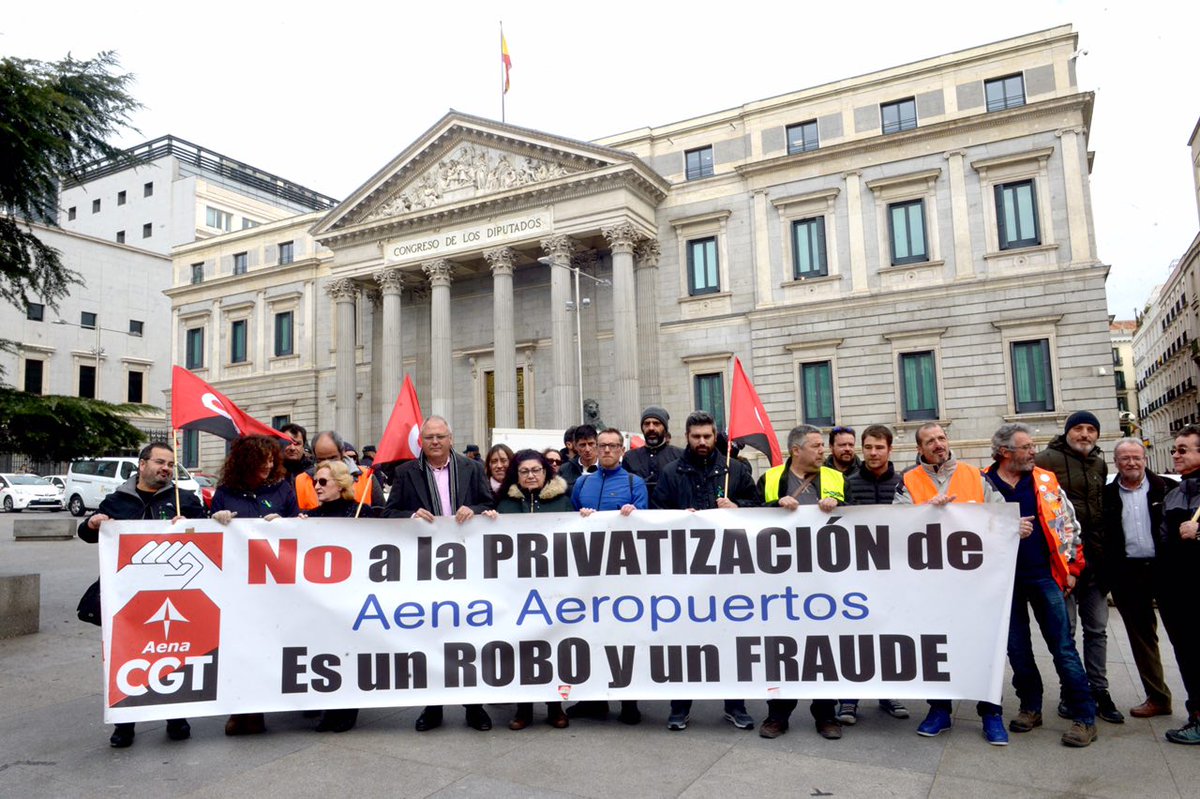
point(149, 494)
point(648, 462)
point(1133, 510)
point(440, 482)
point(697, 482)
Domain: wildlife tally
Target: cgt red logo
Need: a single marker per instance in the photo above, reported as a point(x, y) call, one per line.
point(164, 649)
point(175, 555)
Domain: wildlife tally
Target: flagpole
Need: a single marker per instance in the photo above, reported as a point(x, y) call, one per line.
point(363, 498)
point(728, 451)
point(175, 444)
point(502, 72)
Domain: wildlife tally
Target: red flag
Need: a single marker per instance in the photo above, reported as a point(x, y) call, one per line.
point(402, 437)
point(636, 442)
point(748, 422)
point(195, 405)
point(505, 59)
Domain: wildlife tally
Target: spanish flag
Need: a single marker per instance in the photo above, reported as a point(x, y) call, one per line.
point(504, 57)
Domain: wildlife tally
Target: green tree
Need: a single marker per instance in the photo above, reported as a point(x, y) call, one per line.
point(58, 428)
point(54, 118)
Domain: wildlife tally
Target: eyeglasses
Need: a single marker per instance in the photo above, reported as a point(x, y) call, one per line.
point(1024, 448)
point(322, 481)
point(1184, 450)
point(554, 461)
point(434, 437)
point(161, 462)
point(531, 471)
point(609, 446)
point(837, 431)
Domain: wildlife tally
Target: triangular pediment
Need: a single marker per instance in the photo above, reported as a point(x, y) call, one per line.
point(462, 161)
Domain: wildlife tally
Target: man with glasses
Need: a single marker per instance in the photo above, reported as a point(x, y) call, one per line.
point(1132, 567)
point(1047, 565)
point(1079, 466)
point(1180, 556)
point(440, 482)
point(149, 494)
point(841, 451)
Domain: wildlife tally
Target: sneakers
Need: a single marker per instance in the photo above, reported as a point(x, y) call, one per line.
point(893, 708)
point(740, 719)
point(1080, 735)
point(678, 721)
point(1188, 733)
point(848, 713)
point(1025, 721)
point(938, 721)
point(772, 728)
point(1106, 710)
point(993, 730)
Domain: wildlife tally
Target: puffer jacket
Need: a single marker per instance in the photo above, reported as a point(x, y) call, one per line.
point(551, 499)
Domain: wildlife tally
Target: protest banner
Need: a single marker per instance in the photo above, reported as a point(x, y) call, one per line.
point(879, 601)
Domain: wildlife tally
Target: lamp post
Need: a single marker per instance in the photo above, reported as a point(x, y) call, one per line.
point(576, 306)
point(97, 350)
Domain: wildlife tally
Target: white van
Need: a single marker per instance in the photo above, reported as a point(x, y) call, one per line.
point(90, 480)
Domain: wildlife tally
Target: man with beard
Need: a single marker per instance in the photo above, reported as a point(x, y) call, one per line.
point(295, 454)
point(329, 446)
point(149, 494)
point(1079, 466)
point(841, 451)
point(1045, 572)
point(696, 481)
point(648, 462)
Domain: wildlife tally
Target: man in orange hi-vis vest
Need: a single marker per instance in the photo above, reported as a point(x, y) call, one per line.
point(939, 479)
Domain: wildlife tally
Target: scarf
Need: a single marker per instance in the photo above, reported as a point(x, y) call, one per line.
point(435, 498)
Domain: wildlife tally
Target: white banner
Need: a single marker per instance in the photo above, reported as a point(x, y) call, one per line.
point(873, 602)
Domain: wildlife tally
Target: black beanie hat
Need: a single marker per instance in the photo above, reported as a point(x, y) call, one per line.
point(1082, 417)
point(655, 412)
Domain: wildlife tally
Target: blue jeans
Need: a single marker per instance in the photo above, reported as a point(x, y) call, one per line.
point(1049, 608)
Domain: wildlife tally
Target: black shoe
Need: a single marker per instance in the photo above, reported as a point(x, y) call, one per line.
point(122, 736)
point(337, 720)
point(629, 712)
point(1106, 710)
point(591, 709)
point(1063, 711)
point(430, 718)
point(478, 719)
point(178, 729)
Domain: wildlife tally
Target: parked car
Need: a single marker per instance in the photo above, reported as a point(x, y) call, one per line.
point(90, 480)
point(59, 481)
point(21, 491)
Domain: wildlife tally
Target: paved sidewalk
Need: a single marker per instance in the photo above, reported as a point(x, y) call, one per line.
point(54, 744)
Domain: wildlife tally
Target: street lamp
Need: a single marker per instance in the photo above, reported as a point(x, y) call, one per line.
point(97, 350)
point(577, 305)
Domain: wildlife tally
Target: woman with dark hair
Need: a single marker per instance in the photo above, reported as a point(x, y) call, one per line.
point(253, 485)
point(496, 464)
point(532, 487)
point(554, 457)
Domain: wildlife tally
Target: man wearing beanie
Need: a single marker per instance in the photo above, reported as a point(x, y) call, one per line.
point(648, 462)
point(1080, 468)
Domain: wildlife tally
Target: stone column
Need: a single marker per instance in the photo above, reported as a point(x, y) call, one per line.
point(960, 213)
point(442, 388)
point(622, 238)
point(504, 343)
point(391, 356)
point(567, 409)
point(647, 330)
point(858, 240)
point(344, 294)
point(1074, 159)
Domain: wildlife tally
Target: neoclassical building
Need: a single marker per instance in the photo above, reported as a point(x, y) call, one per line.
point(909, 245)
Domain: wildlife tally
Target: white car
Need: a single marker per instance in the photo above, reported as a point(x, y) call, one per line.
point(90, 480)
point(21, 491)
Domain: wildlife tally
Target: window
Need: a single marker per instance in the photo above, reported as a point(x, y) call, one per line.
point(699, 163)
point(194, 357)
point(900, 115)
point(35, 311)
point(1119, 376)
point(120, 237)
point(283, 334)
point(279, 421)
point(237, 341)
point(906, 224)
point(191, 449)
point(239, 263)
point(197, 273)
point(249, 223)
point(1002, 93)
point(135, 386)
point(148, 189)
point(120, 198)
point(710, 396)
point(1016, 215)
point(147, 230)
point(918, 386)
point(1116, 353)
point(702, 266)
point(1031, 376)
point(816, 381)
point(1122, 404)
point(286, 250)
point(802, 138)
point(87, 319)
point(808, 248)
point(71, 214)
point(136, 327)
point(33, 376)
point(95, 206)
point(215, 217)
point(87, 381)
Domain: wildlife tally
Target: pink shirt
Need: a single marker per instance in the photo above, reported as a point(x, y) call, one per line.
point(441, 478)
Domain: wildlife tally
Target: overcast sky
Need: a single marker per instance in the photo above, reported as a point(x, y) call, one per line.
point(325, 94)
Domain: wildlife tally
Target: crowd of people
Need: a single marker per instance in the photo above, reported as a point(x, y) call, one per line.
point(1081, 538)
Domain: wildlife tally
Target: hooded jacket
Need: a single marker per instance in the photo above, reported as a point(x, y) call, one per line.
point(1082, 477)
point(127, 505)
point(551, 499)
point(694, 482)
point(648, 462)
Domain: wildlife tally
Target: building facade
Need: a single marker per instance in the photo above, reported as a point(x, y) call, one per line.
point(905, 246)
point(1124, 373)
